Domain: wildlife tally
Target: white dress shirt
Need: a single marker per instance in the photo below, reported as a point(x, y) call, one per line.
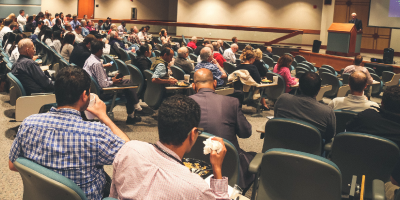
point(229, 56)
point(78, 37)
point(3, 31)
point(352, 103)
point(14, 55)
point(21, 22)
point(37, 31)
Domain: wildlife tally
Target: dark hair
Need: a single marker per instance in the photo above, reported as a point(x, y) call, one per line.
point(358, 83)
point(21, 11)
point(123, 22)
point(58, 20)
point(141, 29)
point(147, 26)
point(37, 18)
point(69, 38)
point(10, 40)
point(30, 19)
point(18, 38)
point(48, 34)
point(143, 49)
point(310, 84)
point(70, 84)
point(39, 22)
point(206, 41)
point(61, 13)
point(57, 35)
point(284, 61)
point(42, 31)
point(177, 116)
point(96, 46)
point(89, 38)
point(358, 59)
point(166, 45)
point(13, 25)
point(56, 15)
point(68, 15)
point(233, 39)
point(391, 99)
point(17, 31)
point(7, 22)
point(166, 51)
point(100, 21)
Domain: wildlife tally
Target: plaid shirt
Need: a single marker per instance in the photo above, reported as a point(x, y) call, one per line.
point(214, 69)
point(134, 38)
point(95, 68)
point(61, 141)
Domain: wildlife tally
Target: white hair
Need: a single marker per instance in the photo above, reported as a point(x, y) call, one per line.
point(354, 14)
point(205, 53)
point(194, 38)
point(234, 45)
point(83, 21)
point(112, 34)
point(23, 44)
point(182, 52)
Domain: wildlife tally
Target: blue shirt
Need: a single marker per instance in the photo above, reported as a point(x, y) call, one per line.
point(73, 24)
point(61, 141)
point(214, 69)
point(85, 32)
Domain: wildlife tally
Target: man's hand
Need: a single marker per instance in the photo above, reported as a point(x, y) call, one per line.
point(133, 50)
point(107, 65)
point(99, 108)
point(213, 61)
point(217, 159)
point(172, 81)
point(116, 80)
point(35, 58)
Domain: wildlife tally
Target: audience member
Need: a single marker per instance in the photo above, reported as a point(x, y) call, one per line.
point(157, 169)
point(9, 26)
point(107, 47)
point(68, 29)
point(234, 40)
point(142, 34)
point(58, 26)
point(208, 62)
point(29, 26)
point(142, 60)
point(262, 70)
point(85, 31)
point(107, 24)
point(227, 108)
point(89, 26)
point(217, 56)
point(48, 37)
point(356, 101)
point(269, 52)
point(81, 51)
point(56, 16)
point(200, 47)
point(67, 46)
point(384, 121)
point(74, 22)
point(21, 19)
point(47, 20)
point(282, 68)
point(116, 43)
point(221, 48)
point(122, 29)
point(306, 108)
point(10, 38)
point(94, 67)
point(133, 37)
point(14, 53)
point(182, 60)
point(85, 18)
point(192, 43)
point(75, 148)
point(99, 25)
point(164, 36)
point(38, 28)
point(229, 54)
point(357, 67)
point(57, 39)
point(28, 71)
point(78, 34)
point(62, 18)
point(161, 68)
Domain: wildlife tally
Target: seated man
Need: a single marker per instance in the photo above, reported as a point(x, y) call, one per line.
point(208, 62)
point(182, 61)
point(95, 69)
point(161, 67)
point(357, 67)
point(133, 37)
point(356, 101)
point(269, 52)
point(229, 54)
point(383, 122)
point(61, 141)
point(121, 28)
point(74, 22)
point(81, 51)
point(200, 47)
point(192, 43)
point(78, 34)
point(107, 47)
point(306, 108)
point(68, 29)
point(234, 123)
point(99, 25)
point(28, 71)
point(115, 42)
point(156, 171)
point(234, 40)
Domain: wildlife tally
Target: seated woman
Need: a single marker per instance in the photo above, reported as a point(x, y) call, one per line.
point(167, 39)
point(14, 53)
point(57, 39)
point(142, 60)
point(67, 46)
point(48, 37)
point(260, 64)
point(217, 56)
point(282, 68)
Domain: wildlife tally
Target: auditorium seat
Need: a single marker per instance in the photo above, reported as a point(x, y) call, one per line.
point(122, 68)
point(177, 73)
point(345, 78)
point(376, 88)
point(387, 76)
point(333, 71)
point(364, 154)
point(193, 57)
point(229, 67)
point(137, 78)
point(342, 118)
point(114, 66)
point(299, 59)
point(190, 50)
point(283, 174)
point(370, 70)
point(269, 61)
point(157, 52)
point(303, 65)
point(273, 93)
point(154, 93)
point(275, 58)
point(122, 54)
point(294, 63)
point(158, 47)
point(312, 67)
point(132, 56)
point(330, 79)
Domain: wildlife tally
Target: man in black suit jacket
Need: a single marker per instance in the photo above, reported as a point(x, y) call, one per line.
point(222, 116)
point(356, 21)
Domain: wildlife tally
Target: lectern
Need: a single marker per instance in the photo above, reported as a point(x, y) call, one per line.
point(343, 40)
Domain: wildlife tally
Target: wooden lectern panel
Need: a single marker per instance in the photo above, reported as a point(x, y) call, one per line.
point(341, 28)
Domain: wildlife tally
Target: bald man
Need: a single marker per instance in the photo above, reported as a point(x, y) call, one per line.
point(269, 52)
point(182, 60)
point(28, 71)
point(356, 101)
point(222, 116)
point(354, 20)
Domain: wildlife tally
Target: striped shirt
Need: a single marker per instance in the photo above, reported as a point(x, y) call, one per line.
point(61, 141)
point(95, 69)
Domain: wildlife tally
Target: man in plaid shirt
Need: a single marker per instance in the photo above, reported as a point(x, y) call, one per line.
point(61, 141)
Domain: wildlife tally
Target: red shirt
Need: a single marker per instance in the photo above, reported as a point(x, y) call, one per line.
point(220, 59)
point(192, 45)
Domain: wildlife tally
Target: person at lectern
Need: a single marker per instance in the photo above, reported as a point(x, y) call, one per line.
point(356, 21)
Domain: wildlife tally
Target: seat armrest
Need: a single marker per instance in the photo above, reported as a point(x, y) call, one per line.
point(109, 198)
point(119, 88)
point(37, 94)
point(255, 163)
point(378, 190)
point(328, 146)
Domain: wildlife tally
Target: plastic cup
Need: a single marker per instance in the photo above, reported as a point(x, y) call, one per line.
point(187, 78)
point(88, 114)
point(275, 80)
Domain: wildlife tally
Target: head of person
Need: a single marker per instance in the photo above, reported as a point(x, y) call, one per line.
point(353, 15)
point(61, 15)
point(57, 35)
point(1, 21)
point(68, 27)
point(163, 32)
point(194, 39)
point(167, 54)
point(183, 52)
point(108, 20)
point(391, 99)
point(22, 12)
point(216, 46)
point(47, 15)
point(178, 120)
point(285, 61)
point(206, 54)
point(68, 16)
point(72, 88)
point(57, 15)
point(39, 24)
point(10, 38)
point(143, 29)
point(269, 49)
point(89, 23)
point(11, 16)
point(113, 27)
point(7, 22)
point(69, 39)
point(258, 53)
point(113, 34)
point(84, 16)
point(26, 48)
point(100, 22)
point(135, 30)
point(358, 82)
point(83, 22)
point(75, 18)
point(206, 41)
point(14, 26)
point(45, 12)
point(58, 22)
point(221, 43)
point(310, 84)
point(30, 19)
point(234, 48)
point(145, 50)
point(203, 78)
point(249, 56)
point(96, 48)
point(166, 45)
point(147, 28)
point(234, 40)
point(88, 39)
point(48, 34)
point(123, 23)
point(78, 29)
point(358, 60)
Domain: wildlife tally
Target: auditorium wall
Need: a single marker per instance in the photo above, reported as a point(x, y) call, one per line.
point(57, 6)
point(14, 6)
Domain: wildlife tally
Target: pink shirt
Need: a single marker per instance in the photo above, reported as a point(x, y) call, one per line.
point(285, 73)
point(141, 171)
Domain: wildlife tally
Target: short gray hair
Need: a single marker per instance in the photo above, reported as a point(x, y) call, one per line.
point(182, 52)
point(23, 44)
point(83, 21)
point(234, 46)
point(112, 34)
point(194, 38)
point(205, 53)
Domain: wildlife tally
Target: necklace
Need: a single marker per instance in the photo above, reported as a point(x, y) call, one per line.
point(169, 155)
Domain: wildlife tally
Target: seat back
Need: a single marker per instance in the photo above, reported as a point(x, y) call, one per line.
point(299, 59)
point(227, 45)
point(122, 54)
point(42, 183)
point(159, 47)
point(345, 78)
point(304, 66)
point(363, 154)
point(230, 166)
point(154, 94)
point(229, 67)
point(330, 79)
point(294, 63)
point(95, 87)
point(193, 57)
point(312, 67)
point(16, 88)
point(113, 52)
point(190, 50)
point(114, 66)
point(157, 52)
point(342, 118)
point(325, 70)
point(184, 40)
point(275, 58)
point(288, 174)
point(387, 76)
point(177, 73)
point(376, 88)
point(292, 134)
point(370, 70)
point(330, 68)
point(132, 56)
point(137, 79)
point(272, 93)
point(122, 68)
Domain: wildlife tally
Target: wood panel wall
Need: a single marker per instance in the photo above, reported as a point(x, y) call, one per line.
point(373, 39)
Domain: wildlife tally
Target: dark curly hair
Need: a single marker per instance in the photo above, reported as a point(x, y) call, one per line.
point(391, 99)
point(177, 116)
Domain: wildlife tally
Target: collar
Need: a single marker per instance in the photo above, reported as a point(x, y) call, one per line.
point(66, 111)
point(23, 56)
point(94, 56)
point(360, 98)
point(305, 96)
point(206, 90)
point(159, 144)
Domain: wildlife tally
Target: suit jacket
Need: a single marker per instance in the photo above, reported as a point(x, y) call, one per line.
point(357, 22)
point(222, 116)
